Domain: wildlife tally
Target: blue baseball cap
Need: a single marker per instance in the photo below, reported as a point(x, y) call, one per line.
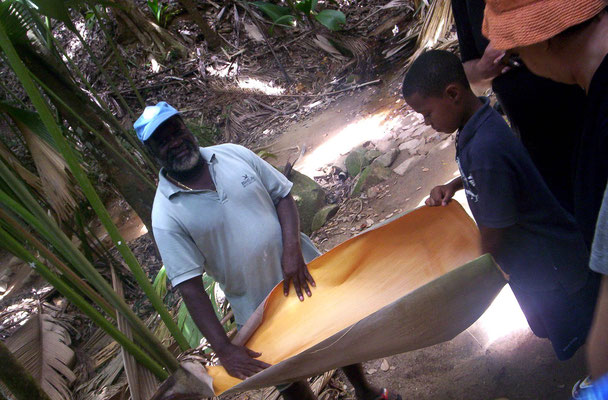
point(151, 118)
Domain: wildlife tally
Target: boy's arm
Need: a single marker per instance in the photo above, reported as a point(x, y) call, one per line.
point(491, 239)
point(239, 361)
point(442, 194)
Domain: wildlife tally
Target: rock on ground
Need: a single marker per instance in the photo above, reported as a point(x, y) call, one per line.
point(323, 215)
point(387, 159)
point(309, 197)
point(356, 162)
point(404, 166)
point(371, 175)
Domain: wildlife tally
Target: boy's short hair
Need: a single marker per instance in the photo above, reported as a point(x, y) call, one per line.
point(432, 72)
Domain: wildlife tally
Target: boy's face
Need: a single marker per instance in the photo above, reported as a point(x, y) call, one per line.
point(441, 113)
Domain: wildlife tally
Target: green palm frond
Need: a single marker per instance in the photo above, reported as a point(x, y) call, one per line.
point(17, 20)
point(29, 119)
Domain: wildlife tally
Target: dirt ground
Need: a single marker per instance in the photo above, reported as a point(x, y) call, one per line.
point(498, 356)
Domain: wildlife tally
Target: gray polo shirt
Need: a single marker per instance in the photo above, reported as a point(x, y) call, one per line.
point(232, 233)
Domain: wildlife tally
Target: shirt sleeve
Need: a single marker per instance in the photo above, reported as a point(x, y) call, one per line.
point(494, 197)
point(277, 185)
point(599, 250)
point(182, 258)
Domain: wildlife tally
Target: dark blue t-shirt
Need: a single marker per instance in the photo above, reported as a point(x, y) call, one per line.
point(542, 248)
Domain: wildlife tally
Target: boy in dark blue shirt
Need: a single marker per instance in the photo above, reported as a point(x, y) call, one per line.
point(533, 239)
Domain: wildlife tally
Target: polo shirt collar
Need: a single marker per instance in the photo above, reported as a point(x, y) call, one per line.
point(168, 189)
point(467, 132)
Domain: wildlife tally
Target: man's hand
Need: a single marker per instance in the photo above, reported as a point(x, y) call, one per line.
point(490, 64)
point(292, 261)
point(240, 362)
point(296, 271)
point(482, 71)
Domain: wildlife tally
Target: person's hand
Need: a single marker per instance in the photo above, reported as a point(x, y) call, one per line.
point(296, 271)
point(440, 195)
point(240, 362)
point(490, 65)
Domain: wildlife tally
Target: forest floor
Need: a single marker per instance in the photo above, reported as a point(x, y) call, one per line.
point(498, 356)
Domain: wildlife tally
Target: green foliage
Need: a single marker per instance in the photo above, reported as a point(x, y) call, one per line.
point(206, 133)
point(188, 327)
point(286, 16)
point(161, 12)
point(273, 11)
point(56, 9)
point(30, 119)
point(17, 20)
point(265, 154)
point(307, 6)
point(160, 283)
point(184, 321)
point(332, 19)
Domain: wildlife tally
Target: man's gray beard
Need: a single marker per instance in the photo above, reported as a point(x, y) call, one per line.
point(186, 163)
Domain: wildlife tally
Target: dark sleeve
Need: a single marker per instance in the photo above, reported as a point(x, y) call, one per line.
point(468, 15)
point(495, 193)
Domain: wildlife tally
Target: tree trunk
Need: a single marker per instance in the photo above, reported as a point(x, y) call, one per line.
point(212, 38)
point(16, 378)
point(146, 31)
point(121, 168)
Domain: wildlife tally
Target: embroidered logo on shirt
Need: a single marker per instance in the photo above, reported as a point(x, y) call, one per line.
point(247, 180)
point(468, 182)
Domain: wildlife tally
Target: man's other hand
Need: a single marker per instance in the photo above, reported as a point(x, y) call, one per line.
point(296, 271)
point(240, 362)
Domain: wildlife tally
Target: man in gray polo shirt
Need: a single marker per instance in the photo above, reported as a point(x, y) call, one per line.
point(223, 210)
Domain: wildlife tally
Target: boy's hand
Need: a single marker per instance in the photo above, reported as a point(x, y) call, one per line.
point(440, 195)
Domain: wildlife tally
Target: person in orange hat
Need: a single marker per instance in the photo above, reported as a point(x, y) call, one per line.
point(567, 41)
point(538, 109)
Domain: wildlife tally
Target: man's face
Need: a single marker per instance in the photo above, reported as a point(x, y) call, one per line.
point(440, 113)
point(541, 59)
point(174, 145)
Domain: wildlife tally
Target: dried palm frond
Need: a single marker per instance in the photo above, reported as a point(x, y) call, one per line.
point(31, 179)
point(360, 48)
point(42, 346)
point(325, 44)
point(391, 4)
point(61, 192)
point(437, 25)
point(142, 384)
